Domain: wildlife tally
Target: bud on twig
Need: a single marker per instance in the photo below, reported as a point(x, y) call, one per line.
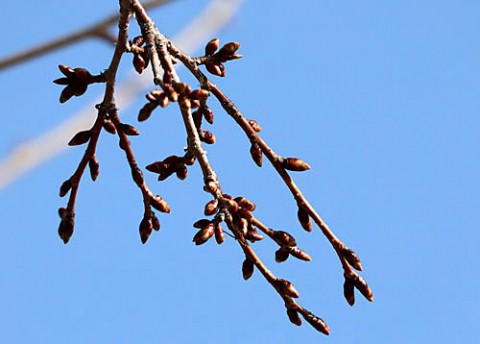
point(65, 187)
point(211, 207)
point(245, 204)
point(317, 323)
point(155, 222)
point(299, 253)
point(94, 167)
point(204, 234)
point(65, 230)
point(80, 138)
point(219, 235)
point(212, 46)
point(281, 255)
point(129, 129)
point(304, 219)
point(160, 204)
point(352, 258)
point(247, 269)
point(283, 238)
point(363, 288)
point(145, 229)
point(256, 153)
point(348, 291)
point(294, 164)
point(255, 126)
point(294, 317)
point(287, 288)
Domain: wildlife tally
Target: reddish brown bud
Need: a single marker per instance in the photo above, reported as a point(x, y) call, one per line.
point(219, 235)
point(65, 230)
point(160, 204)
point(66, 70)
point(139, 63)
point(62, 212)
point(256, 153)
point(242, 225)
point(212, 46)
point(208, 114)
point(283, 238)
point(287, 288)
point(181, 172)
point(304, 219)
point(247, 269)
point(155, 222)
point(231, 205)
point(211, 187)
point(281, 255)
point(181, 88)
point(245, 203)
point(363, 288)
point(204, 234)
point(255, 126)
point(294, 164)
point(156, 167)
point(173, 96)
point(163, 100)
point(67, 93)
point(65, 188)
point(207, 137)
point(146, 111)
point(109, 127)
point(217, 69)
point(80, 138)
point(299, 253)
point(185, 104)
point(145, 229)
point(94, 167)
point(82, 75)
point(138, 41)
point(211, 207)
point(137, 176)
point(199, 94)
point(253, 235)
point(129, 129)
point(229, 48)
point(201, 223)
point(352, 258)
point(317, 323)
point(294, 317)
point(348, 291)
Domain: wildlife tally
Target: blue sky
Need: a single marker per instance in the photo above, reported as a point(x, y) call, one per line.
point(380, 98)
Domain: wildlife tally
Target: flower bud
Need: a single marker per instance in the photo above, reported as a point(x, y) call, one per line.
point(199, 94)
point(65, 230)
point(287, 288)
point(317, 323)
point(207, 114)
point(204, 234)
point(352, 258)
point(348, 291)
point(160, 204)
point(181, 88)
point(155, 222)
point(294, 317)
point(201, 223)
point(109, 127)
point(212, 46)
point(294, 164)
point(283, 238)
point(139, 63)
point(94, 168)
point(281, 255)
point(80, 138)
point(181, 172)
point(229, 48)
point(219, 235)
point(299, 253)
point(253, 235)
point(363, 288)
point(65, 187)
point(247, 269)
point(129, 129)
point(211, 207)
point(245, 203)
point(207, 137)
point(146, 111)
point(256, 153)
point(156, 167)
point(145, 229)
point(255, 126)
point(304, 219)
point(215, 68)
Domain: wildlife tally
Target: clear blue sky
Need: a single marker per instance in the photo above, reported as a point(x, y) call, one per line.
point(381, 98)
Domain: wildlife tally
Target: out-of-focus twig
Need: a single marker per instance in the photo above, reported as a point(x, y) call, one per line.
point(30, 154)
point(97, 30)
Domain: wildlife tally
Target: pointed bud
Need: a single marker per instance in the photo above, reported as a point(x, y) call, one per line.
point(204, 234)
point(287, 288)
point(156, 167)
point(199, 94)
point(304, 219)
point(207, 114)
point(146, 111)
point(181, 172)
point(181, 88)
point(245, 203)
point(283, 238)
point(256, 153)
point(294, 317)
point(212, 46)
point(253, 235)
point(94, 167)
point(145, 229)
point(255, 126)
point(317, 323)
point(129, 129)
point(155, 222)
point(173, 96)
point(66, 70)
point(299, 253)
point(67, 93)
point(352, 258)
point(281, 255)
point(139, 63)
point(201, 223)
point(211, 207)
point(363, 288)
point(219, 235)
point(215, 68)
point(207, 137)
point(65, 230)
point(294, 164)
point(211, 187)
point(160, 204)
point(137, 176)
point(247, 269)
point(65, 187)
point(229, 48)
point(109, 127)
point(348, 291)
point(80, 138)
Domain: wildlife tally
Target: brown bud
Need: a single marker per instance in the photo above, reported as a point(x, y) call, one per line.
point(304, 219)
point(66, 70)
point(139, 63)
point(231, 205)
point(160, 204)
point(185, 104)
point(82, 75)
point(94, 167)
point(317, 323)
point(204, 234)
point(219, 235)
point(281, 255)
point(211, 207)
point(156, 167)
point(255, 126)
point(217, 69)
point(65, 187)
point(80, 138)
point(242, 225)
point(207, 137)
point(163, 100)
point(253, 235)
point(294, 164)
point(181, 88)
point(212, 46)
point(283, 238)
point(287, 288)
point(195, 104)
point(348, 291)
point(129, 129)
point(245, 203)
point(199, 94)
point(294, 317)
point(211, 187)
point(65, 230)
point(137, 176)
point(145, 229)
point(208, 114)
point(247, 269)
point(155, 222)
point(173, 96)
point(138, 41)
point(363, 288)
point(256, 153)
point(201, 223)
point(299, 253)
point(67, 93)
point(62, 212)
point(229, 48)
point(109, 127)
point(352, 258)
point(181, 172)
point(146, 111)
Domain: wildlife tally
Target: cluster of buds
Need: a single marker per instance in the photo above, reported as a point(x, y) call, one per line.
point(140, 55)
point(76, 81)
point(170, 165)
point(215, 59)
